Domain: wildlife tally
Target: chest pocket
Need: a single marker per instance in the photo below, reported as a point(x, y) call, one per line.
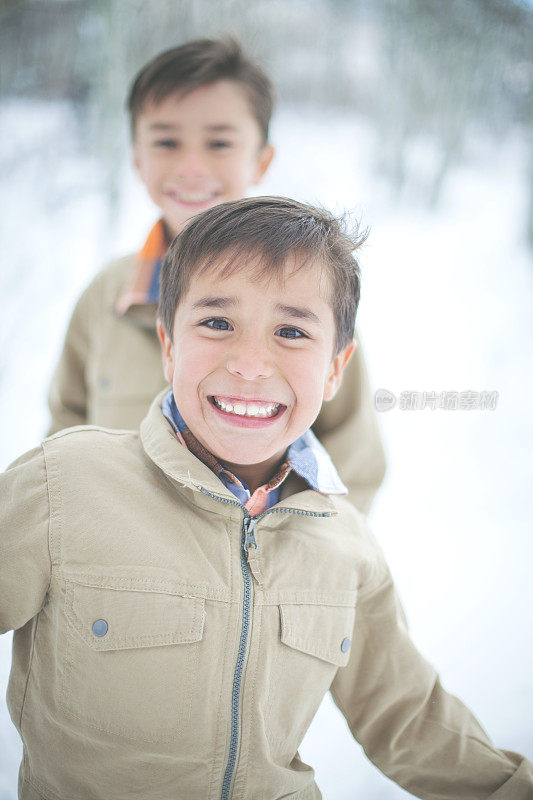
point(129, 660)
point(314, 641)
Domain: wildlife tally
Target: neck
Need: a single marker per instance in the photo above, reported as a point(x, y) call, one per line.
point(255, 475)
point(169, 235)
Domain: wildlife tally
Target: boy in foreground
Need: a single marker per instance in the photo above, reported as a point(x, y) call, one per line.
point(200, 116)
point(183, 597)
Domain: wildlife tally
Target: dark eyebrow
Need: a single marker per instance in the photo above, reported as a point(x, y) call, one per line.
point(216, 302)
point(162, 126)
point(220, 127)
point(298, 313)
point(216, 128)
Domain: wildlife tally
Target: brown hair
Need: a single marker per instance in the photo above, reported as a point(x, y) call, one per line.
point(261, 234)
point(199, 63)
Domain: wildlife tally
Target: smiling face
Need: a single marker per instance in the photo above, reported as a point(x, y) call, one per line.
point(250, 362)
point(197, 150)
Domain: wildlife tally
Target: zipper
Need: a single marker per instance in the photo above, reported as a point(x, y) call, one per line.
point(235, 733)
point(249, 524)
point(248, 540)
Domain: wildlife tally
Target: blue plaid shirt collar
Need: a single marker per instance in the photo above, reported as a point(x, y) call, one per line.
point(305, 456)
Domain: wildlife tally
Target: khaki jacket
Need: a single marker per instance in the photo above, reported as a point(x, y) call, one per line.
point(110, 371)
point(155, 656)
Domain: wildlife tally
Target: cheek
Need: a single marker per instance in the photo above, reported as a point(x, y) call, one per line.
point(239, 174)
point(302, 377)
point(195, 361)
point(151, 172)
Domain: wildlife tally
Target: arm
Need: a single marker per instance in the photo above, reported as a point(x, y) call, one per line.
point(67, 396)
point(25, 566)
point(347, 427)
point(418, 735)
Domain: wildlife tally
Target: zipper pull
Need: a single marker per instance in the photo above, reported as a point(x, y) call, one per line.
point(253, 558)
point(249, 538)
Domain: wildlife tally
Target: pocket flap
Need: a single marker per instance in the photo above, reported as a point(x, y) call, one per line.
point(118, 619)
point(320, 630)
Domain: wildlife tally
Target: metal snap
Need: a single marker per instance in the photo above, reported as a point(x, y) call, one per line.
point(100, 627)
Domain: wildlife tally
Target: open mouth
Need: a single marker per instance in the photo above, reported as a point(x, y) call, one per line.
point(250, 409)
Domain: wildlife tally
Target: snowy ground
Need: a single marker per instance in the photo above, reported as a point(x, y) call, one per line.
point(445, 305)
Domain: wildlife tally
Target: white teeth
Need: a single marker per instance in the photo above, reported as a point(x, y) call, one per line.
point(194, 197)
point(247, 409)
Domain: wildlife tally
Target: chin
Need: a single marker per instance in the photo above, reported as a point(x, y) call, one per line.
point(243, 461)
point(244, 458)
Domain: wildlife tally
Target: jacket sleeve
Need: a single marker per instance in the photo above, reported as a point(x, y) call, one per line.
point(67, 396)
point(347, 427)
point(416, 733)
point(25, 565)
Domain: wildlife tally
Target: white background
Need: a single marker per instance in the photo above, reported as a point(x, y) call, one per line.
point(445, 306)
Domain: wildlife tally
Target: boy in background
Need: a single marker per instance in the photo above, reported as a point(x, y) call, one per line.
point(184, 596)
point(200, 117)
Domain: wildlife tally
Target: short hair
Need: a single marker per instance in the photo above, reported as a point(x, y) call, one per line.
point(261, 234)
point(198, 63)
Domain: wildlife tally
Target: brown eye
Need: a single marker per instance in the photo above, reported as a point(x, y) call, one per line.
point(167, 144)
point(288, 332)
point(217, 324)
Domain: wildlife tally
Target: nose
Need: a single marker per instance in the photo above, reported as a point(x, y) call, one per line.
point(190, 164)
point(250, 360)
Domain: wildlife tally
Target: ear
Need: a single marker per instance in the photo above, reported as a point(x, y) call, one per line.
point(335, 372)
point(167, 351)
point(263, 162)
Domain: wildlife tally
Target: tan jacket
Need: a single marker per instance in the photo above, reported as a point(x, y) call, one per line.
point(155, 658)
point(110, 371)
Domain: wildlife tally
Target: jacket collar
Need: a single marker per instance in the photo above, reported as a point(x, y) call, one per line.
point(180, 465)
point(143, 290)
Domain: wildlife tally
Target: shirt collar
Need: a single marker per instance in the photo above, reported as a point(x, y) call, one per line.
point(305, 456)
point(144, 286)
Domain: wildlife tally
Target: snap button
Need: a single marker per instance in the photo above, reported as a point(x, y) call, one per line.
point(100, 627)
point(346, 644)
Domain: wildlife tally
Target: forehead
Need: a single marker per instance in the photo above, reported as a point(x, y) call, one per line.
point(249, 278)
point(223, 102)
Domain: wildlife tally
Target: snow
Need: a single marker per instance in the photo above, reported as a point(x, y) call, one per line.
point(445, 306)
